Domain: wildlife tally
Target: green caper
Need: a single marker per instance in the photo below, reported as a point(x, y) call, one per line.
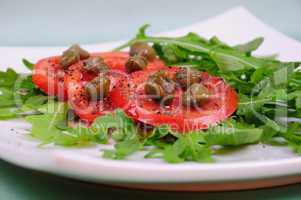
point(195, 95)
point(98, 88)
point(154, 90)
point(95, 64)
point(187, 77)
point(135, 63)
point(160, 88)
point(143, 49)
point(72, 55)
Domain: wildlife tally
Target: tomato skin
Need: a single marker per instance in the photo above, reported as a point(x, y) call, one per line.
point(138, 106)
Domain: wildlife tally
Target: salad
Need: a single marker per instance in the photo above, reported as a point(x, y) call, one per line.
point(176, 98)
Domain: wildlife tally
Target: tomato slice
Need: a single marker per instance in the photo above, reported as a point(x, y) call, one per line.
point(48, 74)
point(132, 98)
point(79, 100)
point(77, 77)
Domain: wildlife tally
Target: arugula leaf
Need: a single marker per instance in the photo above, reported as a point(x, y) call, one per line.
point(6, 97)
point(18, 95)
point(172, 153)
point(47, 128)
point(29, 65)
point(233, 133)
point(36, 101)
point(292, 134)
point(141, 31)
point(8, 113)
point(43, 126)
point(188, 147)
point(126, 136)
point(8, 78)
point(127, 147)
point(250, 46)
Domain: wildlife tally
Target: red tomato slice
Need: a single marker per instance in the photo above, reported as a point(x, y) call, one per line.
point(48, 74)
point(132, 98)
point(76, 78)
point(79, 100)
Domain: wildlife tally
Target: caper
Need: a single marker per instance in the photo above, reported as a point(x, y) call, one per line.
point(154, 90)
point(195, 95)
point(143, 49)
point(95, 64)
point(98, 88)
point(72, 55)
point(160, 88)
point(187, 77)
point(135, 63)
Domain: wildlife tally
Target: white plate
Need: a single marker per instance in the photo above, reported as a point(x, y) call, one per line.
point(251, 167)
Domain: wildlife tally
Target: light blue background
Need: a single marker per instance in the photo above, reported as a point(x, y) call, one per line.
point(55, 22)
point(58, 22)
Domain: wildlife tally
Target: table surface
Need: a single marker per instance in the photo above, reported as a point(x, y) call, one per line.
point(62, 22)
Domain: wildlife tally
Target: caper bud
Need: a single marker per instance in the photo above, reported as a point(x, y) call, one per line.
point(72, 55)
point(187, 77)
point(98, 88)
point(143, 49)
point(160, 88)
point(154, 90)
point(135, 63)
point(95, 64)
point(195, 95)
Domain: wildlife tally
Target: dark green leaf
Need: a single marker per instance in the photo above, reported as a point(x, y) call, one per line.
point(27, 64)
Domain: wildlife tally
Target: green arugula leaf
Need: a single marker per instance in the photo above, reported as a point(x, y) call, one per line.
point(188, 147)
point(8, 78)
point(47, 128)
point(8, 113)
point(36, 101)
point(292, 134)
point(18, 95)
point(232, 133)
point(141, 32)
point(126, 136)
point(6, 98)
point(298, 102)
point(172, 153)
point(43, 126)
point(29, 65)
point(127, 147)
point(250, 46)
